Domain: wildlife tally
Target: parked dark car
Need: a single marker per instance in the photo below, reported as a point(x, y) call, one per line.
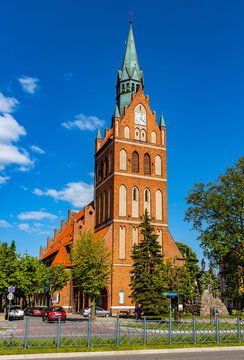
point(53, 313)
point(36, 311)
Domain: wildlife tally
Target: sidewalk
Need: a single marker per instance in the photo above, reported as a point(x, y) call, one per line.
point(124, 352)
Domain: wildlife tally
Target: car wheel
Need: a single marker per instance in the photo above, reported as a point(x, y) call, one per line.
point(107, 315)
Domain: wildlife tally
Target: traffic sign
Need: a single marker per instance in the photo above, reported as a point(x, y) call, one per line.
point(53, 298)
point(171, 295)
point(10, 296)
point(11, 289)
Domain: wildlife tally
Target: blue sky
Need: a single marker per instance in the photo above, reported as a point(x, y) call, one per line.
point(58, 68)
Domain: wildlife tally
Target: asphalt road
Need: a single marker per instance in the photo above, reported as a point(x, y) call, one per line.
point(209, 355)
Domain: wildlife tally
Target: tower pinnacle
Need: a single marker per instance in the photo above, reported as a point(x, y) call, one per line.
point(130, 76)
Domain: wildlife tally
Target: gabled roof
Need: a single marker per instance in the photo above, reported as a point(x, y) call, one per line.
point(65, 237)
point(109, 134)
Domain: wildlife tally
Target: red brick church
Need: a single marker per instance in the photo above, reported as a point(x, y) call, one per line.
point(130, 176)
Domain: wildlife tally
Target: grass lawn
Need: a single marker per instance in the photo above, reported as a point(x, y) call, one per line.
point(111, 348)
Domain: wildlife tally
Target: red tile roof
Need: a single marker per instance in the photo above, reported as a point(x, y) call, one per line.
point(66, 236)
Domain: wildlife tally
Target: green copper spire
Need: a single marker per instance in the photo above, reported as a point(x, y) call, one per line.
point(162, 122)
point(116, 113)
point(130, 76)
point(99, 136)
point(130, 61)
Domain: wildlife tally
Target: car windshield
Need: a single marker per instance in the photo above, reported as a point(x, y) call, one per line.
point(56, 308)
point(15, 308)
point(38, 308)
point(87, 308)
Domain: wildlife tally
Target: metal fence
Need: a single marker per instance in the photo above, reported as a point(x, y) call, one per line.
point(33, 333)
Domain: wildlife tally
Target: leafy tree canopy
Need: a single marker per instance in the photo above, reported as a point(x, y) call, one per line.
point(91, 264)
point(216, 211)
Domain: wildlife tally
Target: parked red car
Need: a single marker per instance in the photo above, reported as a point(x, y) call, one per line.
point(36, 311)
point(54, 313)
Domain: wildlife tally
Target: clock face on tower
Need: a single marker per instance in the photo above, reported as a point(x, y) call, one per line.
point(140, 119)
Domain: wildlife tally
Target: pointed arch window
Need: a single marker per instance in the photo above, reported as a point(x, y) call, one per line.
point(143, 135)
point(102, 173)
point(111, 161)
point(110, 202)
point(105, 205)
point(154, 137)
point(135, 236)
point(135, 202)
point(137, 134)
point(158, 165)
point(159, 205)
point(135, 162)
point(147, 164)
point(122, 200)
point(127, 132)
point(121, 297)
point(101, 208)
point(147, 201)
point(107, 166)
point(123, 160)
point(122, 242)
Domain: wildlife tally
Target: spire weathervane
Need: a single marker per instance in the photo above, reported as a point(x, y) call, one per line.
point(131, 15)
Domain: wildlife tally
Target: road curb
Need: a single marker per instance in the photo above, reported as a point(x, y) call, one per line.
point(123, 352)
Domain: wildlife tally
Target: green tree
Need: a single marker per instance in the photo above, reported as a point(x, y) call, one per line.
point(146, 280)
point(57, 277)
point(91, 265)
point(8, 268)
point(32, 274)
point(180, 279)
point(216, 211)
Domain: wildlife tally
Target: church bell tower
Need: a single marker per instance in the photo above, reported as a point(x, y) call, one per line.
point(130, 175)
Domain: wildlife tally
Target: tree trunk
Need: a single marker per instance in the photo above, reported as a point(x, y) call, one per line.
point(93, 314)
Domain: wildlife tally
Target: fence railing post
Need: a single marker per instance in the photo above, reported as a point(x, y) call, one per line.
point(239, 329)
point(26, 332)
point(217, 329)
point(89, 331)
point(58, 333)
point(144, 330)
point(194, 330)
point(170, 330)
point(117, 332)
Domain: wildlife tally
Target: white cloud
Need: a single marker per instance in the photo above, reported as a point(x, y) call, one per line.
point(29, 84)
point(36, 215)
point(68, 76)
point(7, 104)
point(4, 224)
point(78, 194)
point(24, 227)
point(84, 122)
point(10, 131)
point(91, 174)
point(36, 149)
point(4, 179)
point(10, 154)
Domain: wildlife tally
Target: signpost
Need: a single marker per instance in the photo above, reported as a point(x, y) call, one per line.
point(170, 296)
point(10, 296)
